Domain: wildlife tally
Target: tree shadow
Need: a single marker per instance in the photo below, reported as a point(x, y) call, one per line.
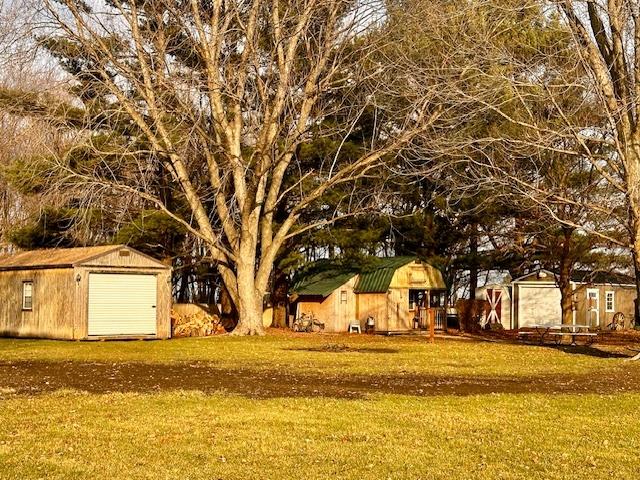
point(580, 349)
point(589, 351)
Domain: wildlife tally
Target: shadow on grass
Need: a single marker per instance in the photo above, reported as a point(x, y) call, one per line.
point(28, 378)
point(588, 351)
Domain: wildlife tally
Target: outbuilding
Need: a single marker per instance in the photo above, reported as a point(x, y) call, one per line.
point(88, 293)
point(399, 294)
point(498, 303)
point(597, 297)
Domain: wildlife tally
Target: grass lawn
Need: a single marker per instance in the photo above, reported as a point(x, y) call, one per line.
point(314, 407)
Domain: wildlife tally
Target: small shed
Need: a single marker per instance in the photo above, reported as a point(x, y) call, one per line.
point(498, 309)
point(399, 293)
point(597, 297)
point(85, 293)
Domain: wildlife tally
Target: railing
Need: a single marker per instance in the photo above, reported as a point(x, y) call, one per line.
point(439, 316)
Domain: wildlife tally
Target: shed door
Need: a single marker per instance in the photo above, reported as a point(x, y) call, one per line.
point(538, 305)
point(494, 313)
point(122, 304)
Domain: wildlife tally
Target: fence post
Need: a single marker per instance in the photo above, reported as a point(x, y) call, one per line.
point(432, 325)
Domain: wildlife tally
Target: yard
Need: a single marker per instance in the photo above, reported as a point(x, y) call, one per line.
point(323, 406)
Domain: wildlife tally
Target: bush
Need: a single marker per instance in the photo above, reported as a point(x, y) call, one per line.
point(469, 313)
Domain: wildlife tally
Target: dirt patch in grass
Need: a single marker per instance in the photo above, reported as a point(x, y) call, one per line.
point(341, 347)
point(28, 378)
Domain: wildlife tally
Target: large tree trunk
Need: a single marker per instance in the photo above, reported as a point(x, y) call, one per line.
point(280, 298)
point(228, 312)
point(249, 300)
point(473, 262)
point(564, 279)
point(636, 259)
point(635, 213)
point(633, 187)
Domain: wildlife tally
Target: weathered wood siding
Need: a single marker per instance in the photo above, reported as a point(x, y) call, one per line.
point(53, 312)
point(624, 297)
point(400, 317)
point(547, 308)
point(417, 276)
point(124, 258)
point(163, 305)
point(389, 309)
point(413, 276)
point(335, 314)
point(376, 305)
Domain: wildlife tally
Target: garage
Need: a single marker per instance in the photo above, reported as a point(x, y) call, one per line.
point(122, 304)
point(539, 304)
point(90, 293)
point(536, 299)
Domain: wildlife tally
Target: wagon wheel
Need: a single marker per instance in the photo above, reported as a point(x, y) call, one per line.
point(618, 321)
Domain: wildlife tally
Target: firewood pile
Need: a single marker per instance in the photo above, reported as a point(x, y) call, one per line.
point(199, 324)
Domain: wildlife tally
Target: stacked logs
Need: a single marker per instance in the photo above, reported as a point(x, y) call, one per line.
point(198, 324)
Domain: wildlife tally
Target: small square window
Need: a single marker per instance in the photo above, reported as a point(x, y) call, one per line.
point(610, 301)
point(27, 295)
point(343, 296)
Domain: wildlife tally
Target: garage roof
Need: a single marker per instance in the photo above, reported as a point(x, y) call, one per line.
point(63, 257)
point(591, 277)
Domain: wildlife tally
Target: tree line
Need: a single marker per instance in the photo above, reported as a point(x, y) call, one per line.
point(240, 140)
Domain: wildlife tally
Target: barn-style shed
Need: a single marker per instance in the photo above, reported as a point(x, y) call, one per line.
point(85, 293)
point(399, 293)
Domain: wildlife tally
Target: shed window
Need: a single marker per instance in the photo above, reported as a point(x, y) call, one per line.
point(417, 299)
point(343, 296)
point(27, 295)
point(610, 301)
point(438, 299)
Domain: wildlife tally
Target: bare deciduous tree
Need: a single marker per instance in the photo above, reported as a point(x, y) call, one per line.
point(608, 38)
point(220, 96)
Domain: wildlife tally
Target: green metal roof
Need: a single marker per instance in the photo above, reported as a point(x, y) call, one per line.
point(323, 283)
point(378, 278)
point(374, 277)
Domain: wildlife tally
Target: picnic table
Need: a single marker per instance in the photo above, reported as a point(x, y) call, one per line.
point(558, 330)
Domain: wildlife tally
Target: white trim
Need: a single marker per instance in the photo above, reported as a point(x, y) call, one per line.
point(573, 301)
point(26, 283)
point(548, 272)
point(613, 301)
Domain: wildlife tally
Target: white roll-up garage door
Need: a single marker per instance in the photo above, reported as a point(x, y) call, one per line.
point(122, 304)
point(538, 305)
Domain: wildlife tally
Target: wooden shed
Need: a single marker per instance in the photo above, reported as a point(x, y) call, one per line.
point(498, 307)
point(597, 297)
point(85, 293)
point(399, 293)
